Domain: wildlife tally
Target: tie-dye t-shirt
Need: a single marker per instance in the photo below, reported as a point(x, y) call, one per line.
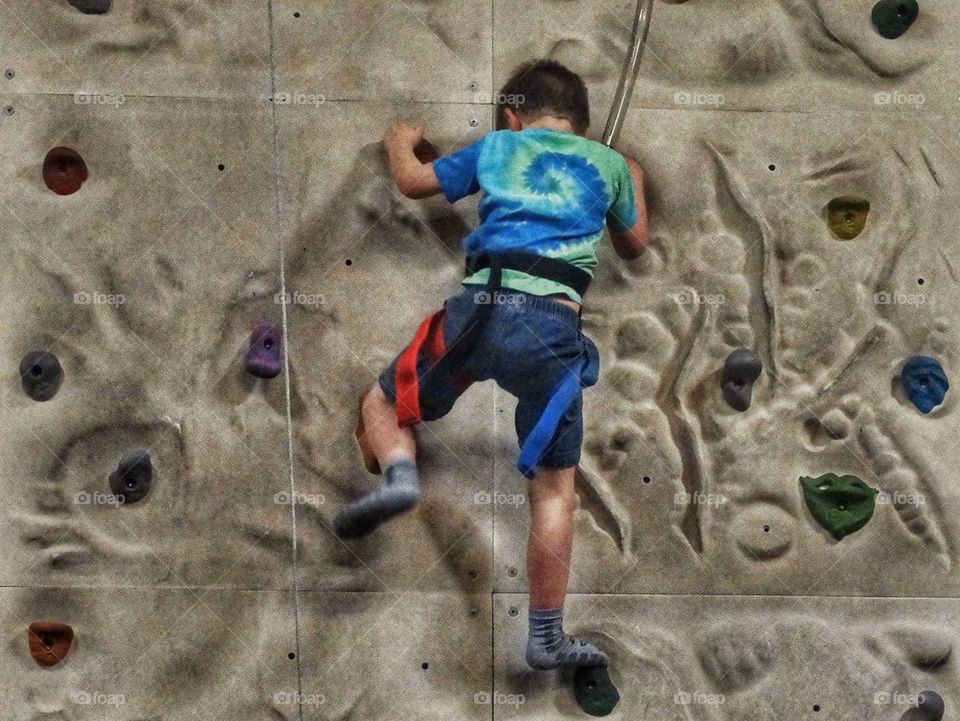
point(545, 192)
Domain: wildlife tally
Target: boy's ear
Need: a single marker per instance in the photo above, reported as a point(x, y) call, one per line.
point(513, 121)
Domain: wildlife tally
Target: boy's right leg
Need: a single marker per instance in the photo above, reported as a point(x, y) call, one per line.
point(552, 500)
point(394, 449)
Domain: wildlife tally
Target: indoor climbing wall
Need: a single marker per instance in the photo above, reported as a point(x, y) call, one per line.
point(205, 263)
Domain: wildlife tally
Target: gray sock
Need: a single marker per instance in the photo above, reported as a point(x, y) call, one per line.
point(548, 647)
point(400, 492)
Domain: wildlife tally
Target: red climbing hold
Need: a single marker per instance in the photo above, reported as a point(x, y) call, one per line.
point(64, 171)
point(49, 642)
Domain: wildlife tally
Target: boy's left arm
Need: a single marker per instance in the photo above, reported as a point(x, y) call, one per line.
point(415, 179)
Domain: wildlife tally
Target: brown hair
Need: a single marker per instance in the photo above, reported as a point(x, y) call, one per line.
point(545, 87)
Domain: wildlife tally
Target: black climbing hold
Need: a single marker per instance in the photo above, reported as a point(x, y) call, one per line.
point(740, 372)
point(841, 504)
point(132, 478)
point(263, 358)
point(92, 7)
point(930, 707)
point(892, 18)
point(594, 691)
point(40, 375)
point(924, 382)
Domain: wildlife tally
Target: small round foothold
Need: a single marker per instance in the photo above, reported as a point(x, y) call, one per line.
point(264, 358)
point(49, 642)
point(131, 481)
point(64, 171)
point(924, 382)
point(740, 372)
point(474, 122)
point(9, 74)
point(40, 375)
point(892, 18)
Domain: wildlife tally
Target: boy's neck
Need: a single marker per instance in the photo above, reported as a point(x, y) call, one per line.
point(549, 122)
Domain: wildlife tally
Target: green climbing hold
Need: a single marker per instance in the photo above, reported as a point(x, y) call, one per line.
point(594, 691)
point(846, 216)
point(841, 504)
point(892, 18)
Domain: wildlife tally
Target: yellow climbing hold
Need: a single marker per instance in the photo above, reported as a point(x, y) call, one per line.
point(846, 216)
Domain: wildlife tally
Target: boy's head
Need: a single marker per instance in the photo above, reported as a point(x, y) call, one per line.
point(544, 87)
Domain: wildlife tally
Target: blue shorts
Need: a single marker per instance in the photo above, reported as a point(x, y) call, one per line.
point(527, 347)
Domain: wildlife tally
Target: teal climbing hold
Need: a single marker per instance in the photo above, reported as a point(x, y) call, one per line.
point(924, 382)
point(841, 504)
point(594, 691)
point(892, 18)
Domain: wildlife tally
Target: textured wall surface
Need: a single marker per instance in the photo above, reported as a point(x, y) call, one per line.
point(233, 155)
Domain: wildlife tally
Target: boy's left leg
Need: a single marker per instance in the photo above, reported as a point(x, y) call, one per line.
point(552, 501)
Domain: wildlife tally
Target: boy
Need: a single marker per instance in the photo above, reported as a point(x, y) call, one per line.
point(548, 191)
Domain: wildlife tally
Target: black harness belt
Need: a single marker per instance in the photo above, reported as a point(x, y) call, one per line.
point(454, 354)
point(559, 271)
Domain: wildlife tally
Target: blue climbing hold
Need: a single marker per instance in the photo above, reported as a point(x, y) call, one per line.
point(924, 382)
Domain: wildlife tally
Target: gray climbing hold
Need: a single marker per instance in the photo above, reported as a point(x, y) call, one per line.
point(740, 372)
point(92, 7)
point(929, 707)
point(40, 375)
point(132, 478)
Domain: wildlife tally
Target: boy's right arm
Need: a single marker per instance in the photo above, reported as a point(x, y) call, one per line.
point(630, 243)
point(414, 178)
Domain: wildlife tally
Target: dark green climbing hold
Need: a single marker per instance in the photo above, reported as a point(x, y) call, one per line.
point(594, 691)
point(846, 216)
point(892, 18)
point(841, 504)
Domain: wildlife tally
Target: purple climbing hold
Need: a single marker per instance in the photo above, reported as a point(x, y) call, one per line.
point(40, 375)
point(264, 357)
